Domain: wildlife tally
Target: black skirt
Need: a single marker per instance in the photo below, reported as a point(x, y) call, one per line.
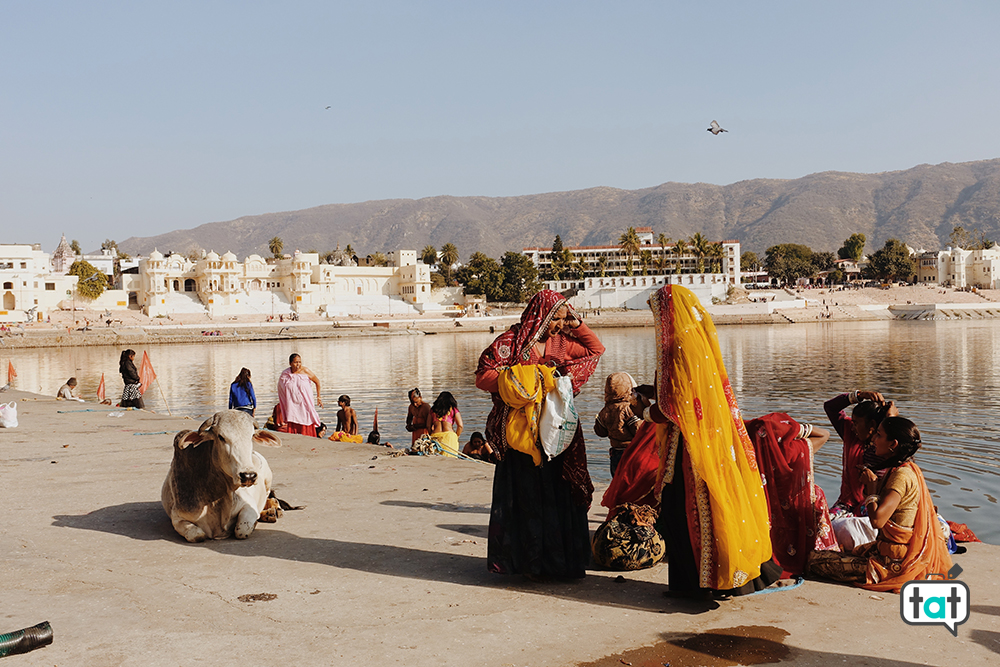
point(535, 528)
point(673, 526)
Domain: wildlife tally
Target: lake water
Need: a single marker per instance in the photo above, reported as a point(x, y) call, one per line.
point(945, 376)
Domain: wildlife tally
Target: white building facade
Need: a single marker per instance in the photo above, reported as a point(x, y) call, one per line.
point(606, 283)
point(957, 267)
point(222, 285)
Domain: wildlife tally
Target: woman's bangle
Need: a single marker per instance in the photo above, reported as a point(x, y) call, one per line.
point(853, 397)
point(874, 498)
point(646, 416)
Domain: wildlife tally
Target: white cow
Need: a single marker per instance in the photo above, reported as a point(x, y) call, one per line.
point(218, 485)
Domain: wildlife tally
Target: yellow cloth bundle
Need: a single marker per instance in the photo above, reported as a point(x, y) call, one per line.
point(523, 389)
point(344, 436)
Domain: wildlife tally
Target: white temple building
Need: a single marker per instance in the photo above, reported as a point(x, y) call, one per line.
point(222, 285)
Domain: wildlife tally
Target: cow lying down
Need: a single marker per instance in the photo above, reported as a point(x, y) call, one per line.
point(218, 485)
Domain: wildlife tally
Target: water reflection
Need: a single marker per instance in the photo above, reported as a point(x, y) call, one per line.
point(943, 375)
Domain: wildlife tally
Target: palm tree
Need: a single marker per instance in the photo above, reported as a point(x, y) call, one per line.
point(699, 248)
point(602, 265)
point(449, 255)
point(680, 249)
point(645, 260)
point(429, 255)
point(276, 245)
point(629, 243)
point(378, 259)
point(715, 253)
point(663, 240)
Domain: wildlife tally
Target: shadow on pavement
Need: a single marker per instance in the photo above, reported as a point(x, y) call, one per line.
point(147, 521)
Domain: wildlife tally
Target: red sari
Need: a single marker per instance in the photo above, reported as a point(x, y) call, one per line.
point(538, 519)
point(800, 518)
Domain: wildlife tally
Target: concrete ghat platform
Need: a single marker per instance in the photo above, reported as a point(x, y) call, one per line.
point(385, 565)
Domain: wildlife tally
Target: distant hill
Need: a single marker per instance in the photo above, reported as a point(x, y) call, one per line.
point(920, 206)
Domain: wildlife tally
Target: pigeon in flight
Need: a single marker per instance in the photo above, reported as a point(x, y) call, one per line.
point(723, 130)
point(715, 129)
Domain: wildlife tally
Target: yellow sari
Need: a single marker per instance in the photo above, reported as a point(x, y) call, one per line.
point(523, 388)
point(731, 534)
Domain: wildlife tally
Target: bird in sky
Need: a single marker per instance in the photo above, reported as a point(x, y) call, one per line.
point(713, 121)
point(715, 129)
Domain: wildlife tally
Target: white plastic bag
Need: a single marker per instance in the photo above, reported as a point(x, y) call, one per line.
point(8, 415)
point(559, 419)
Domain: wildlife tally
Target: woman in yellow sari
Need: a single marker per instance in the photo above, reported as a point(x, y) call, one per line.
point(713, 511)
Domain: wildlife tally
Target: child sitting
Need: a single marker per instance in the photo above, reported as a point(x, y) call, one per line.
point(617, 421)
point(347, 418)
point(478, 448)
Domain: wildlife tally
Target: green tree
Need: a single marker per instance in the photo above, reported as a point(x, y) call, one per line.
point(348, 250)
point(823, 261)
point(74, 245)
point(276, 245)
point(663, 240)
point(892, 262)
point(680, 250)
point(788, 262)
point(715, 253)
point(449, 255)
point(377, 259)
point(91, 283)
point(602, 265)
point(429, 255)
point(437, 280)
point(700, 247)
point(579, 268)
point(645, 261)
point(630, 243)
point(520, 277)
point(481, 275)
point(749, 261)
point(853, 248)
point(556, 267)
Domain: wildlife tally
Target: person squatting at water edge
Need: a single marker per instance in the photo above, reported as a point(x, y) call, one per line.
point(131, 394)
point(416, 415)
point(241, 394)
point(445, 423)
point(67, 392)
point(711, 486)
point(910, 543)
point(296, 399)
point(538, 519)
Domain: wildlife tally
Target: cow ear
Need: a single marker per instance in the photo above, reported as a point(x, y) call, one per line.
point(186, 439)
point(266, 438)
point(209, 423)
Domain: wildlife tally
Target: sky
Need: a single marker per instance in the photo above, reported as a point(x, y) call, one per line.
point(122, 119)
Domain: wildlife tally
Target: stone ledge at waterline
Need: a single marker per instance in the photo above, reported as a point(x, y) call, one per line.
point(385, 565)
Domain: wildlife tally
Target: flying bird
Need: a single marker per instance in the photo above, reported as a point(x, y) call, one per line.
point(328, 107)
point(715, 129)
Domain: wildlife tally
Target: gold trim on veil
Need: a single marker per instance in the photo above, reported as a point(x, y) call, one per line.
point(693, 391)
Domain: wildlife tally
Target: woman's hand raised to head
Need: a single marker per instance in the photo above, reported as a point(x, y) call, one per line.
point(871, 396)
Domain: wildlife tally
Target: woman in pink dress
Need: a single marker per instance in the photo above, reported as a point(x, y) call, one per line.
point(296, 399)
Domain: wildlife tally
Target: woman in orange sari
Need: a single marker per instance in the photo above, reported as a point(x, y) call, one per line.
point(910, 543)
point(713, 510)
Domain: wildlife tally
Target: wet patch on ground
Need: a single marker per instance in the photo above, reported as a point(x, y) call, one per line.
point(721, 647)
point(257, 597)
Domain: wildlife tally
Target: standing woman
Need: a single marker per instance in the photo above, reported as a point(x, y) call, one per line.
point(131, 396)
point(538, 521)
point(296, 399)
point(241, 396)
point(713, 510)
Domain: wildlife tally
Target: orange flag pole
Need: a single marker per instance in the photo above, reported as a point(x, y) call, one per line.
point(100, 390)
point(11, 373)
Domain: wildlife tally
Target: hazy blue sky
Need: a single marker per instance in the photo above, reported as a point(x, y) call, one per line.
point(125, 118)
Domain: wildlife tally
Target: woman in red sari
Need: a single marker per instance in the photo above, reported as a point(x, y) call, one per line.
point(538, 521)
point(800, 518)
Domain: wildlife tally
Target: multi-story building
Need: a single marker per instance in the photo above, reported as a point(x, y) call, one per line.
point(299, 283)
point(957, 267)
point(607, 282)
point(28, 287)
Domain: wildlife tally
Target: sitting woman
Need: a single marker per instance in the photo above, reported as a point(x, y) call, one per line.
point(444, 422)
point(910, 543)
point(800, 518)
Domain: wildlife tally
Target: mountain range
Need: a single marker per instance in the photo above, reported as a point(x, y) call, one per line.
point(919, 206)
